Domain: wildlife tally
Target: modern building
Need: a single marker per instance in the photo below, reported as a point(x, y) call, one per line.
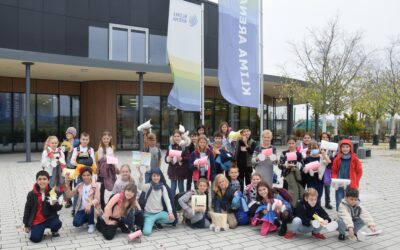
point(86, 56)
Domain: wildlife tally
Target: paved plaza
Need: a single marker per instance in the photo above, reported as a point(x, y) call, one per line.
point(380, 194)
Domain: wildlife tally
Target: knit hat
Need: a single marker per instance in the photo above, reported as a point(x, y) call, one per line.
point(71, 130)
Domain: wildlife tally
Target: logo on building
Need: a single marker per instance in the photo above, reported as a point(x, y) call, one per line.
point(192, 20)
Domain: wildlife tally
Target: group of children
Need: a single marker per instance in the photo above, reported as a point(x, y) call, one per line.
point(236, 178)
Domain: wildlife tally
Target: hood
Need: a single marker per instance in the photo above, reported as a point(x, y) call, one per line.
point(344, 201)
point(36, 189)
point(345, 141)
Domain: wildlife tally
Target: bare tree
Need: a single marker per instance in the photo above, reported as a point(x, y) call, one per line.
point(331, 60)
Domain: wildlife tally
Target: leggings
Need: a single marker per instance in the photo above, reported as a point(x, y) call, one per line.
point(151, 218)
point(109, 231)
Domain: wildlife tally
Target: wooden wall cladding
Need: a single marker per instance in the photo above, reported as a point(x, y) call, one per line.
point(70, 88)
point(5, 84)
point(40, 86)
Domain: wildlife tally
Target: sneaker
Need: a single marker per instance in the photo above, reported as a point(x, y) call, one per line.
point(319, 236)
point(328, 206)
point(55, 234)
point(342, 237)
point(73, 213)
point(289, 235)
point(68, 204)
point(91, 229)
point(159, 226)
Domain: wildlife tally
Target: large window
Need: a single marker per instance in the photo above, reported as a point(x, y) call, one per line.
point(50, 115)
point(128, 43)
point(158, 50)
point(98, 43)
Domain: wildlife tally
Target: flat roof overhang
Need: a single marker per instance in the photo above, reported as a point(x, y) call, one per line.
point(81, 69)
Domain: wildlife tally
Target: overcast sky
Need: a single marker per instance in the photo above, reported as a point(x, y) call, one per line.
point(288, 20)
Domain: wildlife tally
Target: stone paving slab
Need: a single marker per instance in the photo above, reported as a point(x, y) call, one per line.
point(380, 194)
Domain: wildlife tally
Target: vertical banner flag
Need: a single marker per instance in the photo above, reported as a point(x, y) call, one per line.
point(238, 52)
point(184, 53)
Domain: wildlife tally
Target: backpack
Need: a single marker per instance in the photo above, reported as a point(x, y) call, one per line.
point(242, 218)
point(176, 200)
point(285, 194)
point(87, 161)
point(224, 160)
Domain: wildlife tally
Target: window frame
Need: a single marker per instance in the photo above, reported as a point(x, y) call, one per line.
point(129, 29)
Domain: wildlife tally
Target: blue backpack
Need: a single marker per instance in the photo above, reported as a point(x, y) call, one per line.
point(224, 160)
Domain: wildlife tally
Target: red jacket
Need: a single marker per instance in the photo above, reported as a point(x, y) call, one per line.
point(355, 165)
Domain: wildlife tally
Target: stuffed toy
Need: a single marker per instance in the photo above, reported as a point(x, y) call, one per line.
point(66, 146)
point(137, 235)
point(185, 137)
point(219, 221)
point(240, 205)
point(312, 167)
point(234, 136)
point(80, 167)
point(330, 227)
point(146, 125)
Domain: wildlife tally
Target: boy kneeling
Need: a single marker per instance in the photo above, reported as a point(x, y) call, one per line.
point(353, 216)
point(305, 210)
point(41, 212)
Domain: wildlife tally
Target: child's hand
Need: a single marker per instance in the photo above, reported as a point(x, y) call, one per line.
point(265, 211)
point(171, 217)
point(169, 158)
point(351, 232)
point(372, 228)
point(87, 208)
point(27, 229)
point(324, 223)
point(179, 158)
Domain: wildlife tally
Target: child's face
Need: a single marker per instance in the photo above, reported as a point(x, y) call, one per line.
point(291, 145)
point(324, 137)
point(267, 138)
point(125, 174)
point(263, 192)
point(200, 131)
point(42, 181)
point(69, 136)
point(246, 133)
point(222, 183)
point(84, 141)
point(218, 140)
point(202, 187)
point(155, 178)
point(233, 173)
point(152, 142)
point(345, 148)
point(193, 138)
point(311, 200)
point(177, 138)
point(87, 177)
point(306, 139)
point(129, 195)
point(255, 180)
point(351, 200)
point(53, 143)
point(224, 128)
point(106, 140)
point(202, 144)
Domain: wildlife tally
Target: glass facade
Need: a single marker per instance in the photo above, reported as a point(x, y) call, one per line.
point(119, 46)
point(98, 43)
point(158, 50)
point(50, 115)
point(138, 47)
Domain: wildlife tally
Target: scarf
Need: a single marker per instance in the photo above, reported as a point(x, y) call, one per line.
point(156, 186)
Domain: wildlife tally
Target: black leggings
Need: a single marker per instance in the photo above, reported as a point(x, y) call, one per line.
point(102, 191)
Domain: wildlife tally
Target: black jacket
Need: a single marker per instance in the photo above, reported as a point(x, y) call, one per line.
point(305, 212)
point(225, 202)
point(31, 204)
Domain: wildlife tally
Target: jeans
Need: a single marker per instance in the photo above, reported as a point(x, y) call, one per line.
point(298, 227)
point(327, 190)
point(180, 186)
point(358, 224)
point(339, 196)
point(151, 218)
point(134, 217)
point(81, 217)
point(37, 231)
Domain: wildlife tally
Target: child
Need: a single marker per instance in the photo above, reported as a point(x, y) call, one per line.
point(155, 152)
point(123, 211)
point(315, 180)
point(327, 175)
point(155, 202)
point(82, 155)
point(244, 152)
point(305, 211)
point(223, 196)
point(53, 162)
point(192, 147)
point(234, 183)
point(353, 216)
point(125, 179)
point(266, 167)
point(177, 171)
point(195, 219)
point(201, 130)
point(265, 213)
point(107, 173)
point(250, 194)
point(346, 166)
point(303, 147)
point(39, 212)
point(291, 171)
point(67, 146)
point(224, 131)
point(88, 202)
point(218, 149)
point(202, 150)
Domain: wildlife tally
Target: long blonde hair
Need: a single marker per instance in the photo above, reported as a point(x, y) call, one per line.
point(201, 137)
point(216, 188)
point(46, 143)
point(130, 172)
point(106, 133)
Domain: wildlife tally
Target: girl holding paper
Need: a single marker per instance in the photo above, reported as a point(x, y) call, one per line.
point(202, 171)
point(264, 157)
point(291, 163)
point(107, 171)
point(177, 157)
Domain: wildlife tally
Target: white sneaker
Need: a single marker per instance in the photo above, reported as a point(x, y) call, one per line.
point(91, 229)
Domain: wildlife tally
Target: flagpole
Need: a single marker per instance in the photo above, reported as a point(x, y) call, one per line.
point(260, 58)
point(202, 65)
